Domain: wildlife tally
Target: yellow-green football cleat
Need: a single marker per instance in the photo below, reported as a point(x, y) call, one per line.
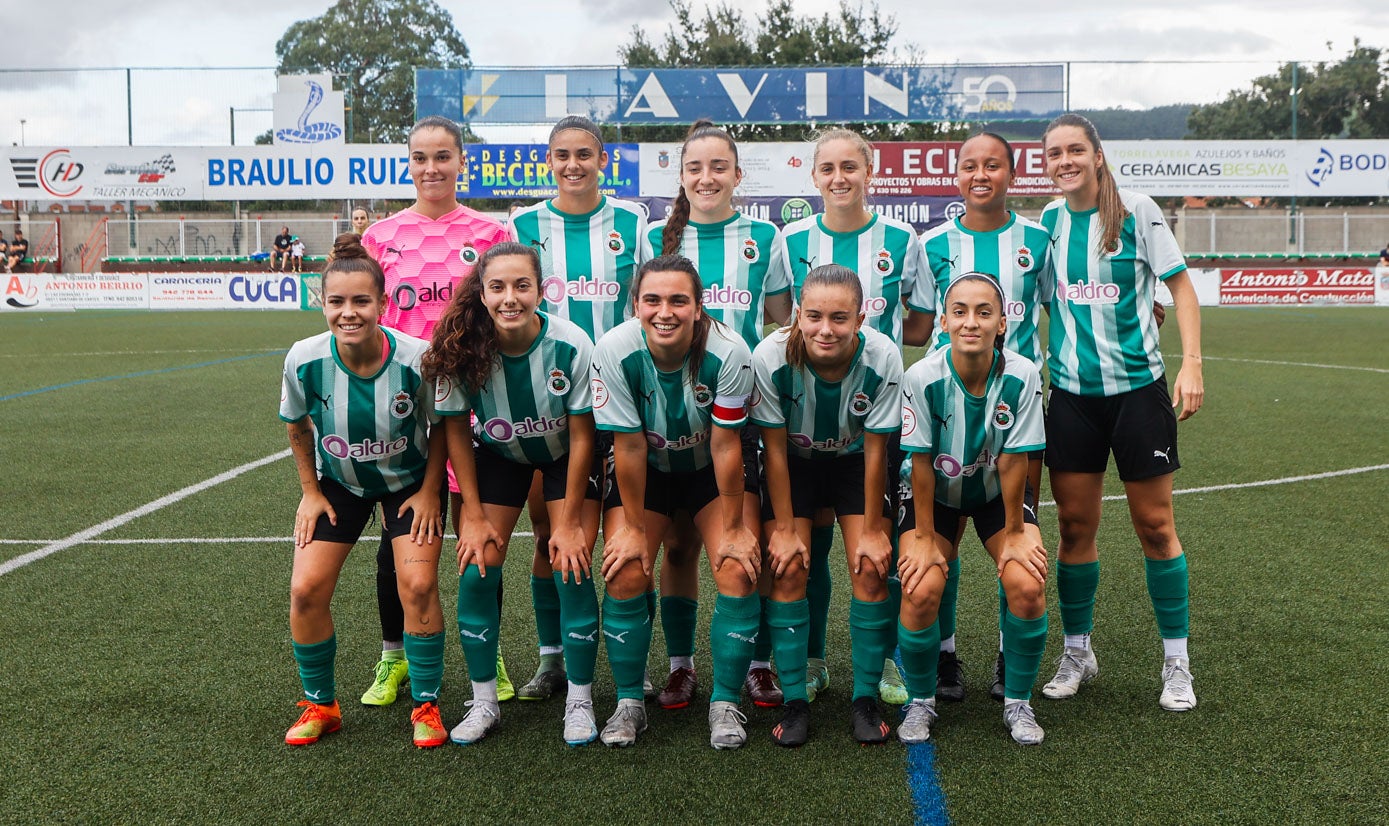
point(891, 688)
point(505, 690)
point(389, 675)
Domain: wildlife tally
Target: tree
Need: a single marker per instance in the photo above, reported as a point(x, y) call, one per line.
point(1346, 99)
point(375, 45)
point(724, 38)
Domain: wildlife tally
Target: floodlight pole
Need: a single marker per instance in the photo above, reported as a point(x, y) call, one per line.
point(22, 121)
point(1292, 210)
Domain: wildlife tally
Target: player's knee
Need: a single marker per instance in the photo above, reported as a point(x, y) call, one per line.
point(919, 607)
point(1026, 596)
point(309, 595)
point(628, 581)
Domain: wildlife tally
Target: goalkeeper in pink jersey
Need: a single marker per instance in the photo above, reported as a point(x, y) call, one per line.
point(426, 250)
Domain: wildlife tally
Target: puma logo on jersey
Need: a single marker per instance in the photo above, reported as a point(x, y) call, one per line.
point(954, 263)
point(1163, 454)
point(1054, 239)
point(796, 399)
point(541, 244)
point(1156, 223)
point(740, 638)
point(470, 635)
point(944, 422)
point(592, 636)
point(323, 400)
point(620, 638)
point(650, 396)
point(809, 264)
point(393, 249)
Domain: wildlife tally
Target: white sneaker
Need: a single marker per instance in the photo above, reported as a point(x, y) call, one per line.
point(580, 729)
point(726, 725)
point(482, 717)
point(1177, 693)
point(626, 723)
point(1022, 723)
point(917, 720)
point(1077, 666)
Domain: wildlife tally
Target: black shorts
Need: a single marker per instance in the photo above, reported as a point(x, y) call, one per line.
point(668, 493)
point(355, 511)
point(751, 436)
point(989, 518)
point(1139, 427)
point(836, 482)
point(500, 481)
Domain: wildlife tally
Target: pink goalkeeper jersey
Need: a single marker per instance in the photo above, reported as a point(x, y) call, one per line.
point(424, 260)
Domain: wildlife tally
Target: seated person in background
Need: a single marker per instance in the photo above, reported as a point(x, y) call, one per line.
point(19, 250)
point(1384, 255)
point(296, 253)
point(4, 254)
point(279, 251)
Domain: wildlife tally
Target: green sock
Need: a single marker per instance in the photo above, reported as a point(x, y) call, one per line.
point(787, 623)
point(627, 629)
point(1024, 641)
point(1075, 590)
point(948, 598)
point(762, 651)
point(316, 669)
point(678, 618)
point(651, 601)
point(817, 588)
point(479, 621)
point(546, 600)
point(732, 636)
point(578, 610)
point(869, 638)
point(1168, 588)
point(920, 656)
point(426, 655)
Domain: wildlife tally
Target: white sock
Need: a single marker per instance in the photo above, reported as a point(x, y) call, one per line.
point(682, 662)
point(580, 693)
point(1081, 641)
point(1175, 648)
point(392, 645)
point(1000, 642)
point(947, 645)
point(485, 691)
point(760, 664)
point(551, 649)
point(1009, 702)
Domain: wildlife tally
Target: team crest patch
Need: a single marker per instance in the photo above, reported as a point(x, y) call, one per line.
point(468, 255)
point(615, 243)
point(1003, 416)
point(702, 395)
point(663, 159)
point(402, 405)
point(1115, 247)
point(1024, 258)
point(908, 421)
point(883, 262)
point(442, 388)
point(558, 383)
point(750, 251)
point(600, 393)
point(860, 404)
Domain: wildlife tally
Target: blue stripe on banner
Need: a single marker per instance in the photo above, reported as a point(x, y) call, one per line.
point(65, 385)
point(926, 790)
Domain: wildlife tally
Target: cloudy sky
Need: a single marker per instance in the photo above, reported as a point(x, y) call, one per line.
point(1234, 41)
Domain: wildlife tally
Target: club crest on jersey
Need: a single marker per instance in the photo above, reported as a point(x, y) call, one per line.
point(468, 255)
point(908, 421)
point(750, 251)
point(860, 404)
point(402, 405)
point(702, 395)
point(1003, 416)
point(1024, 259)
point(615, 243)
point(443, 387)
point(1115, 247)
point(558, 383)
point(883, 262)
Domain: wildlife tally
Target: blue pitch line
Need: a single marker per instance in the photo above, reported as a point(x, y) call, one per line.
point(926, 791)
point(137, 375)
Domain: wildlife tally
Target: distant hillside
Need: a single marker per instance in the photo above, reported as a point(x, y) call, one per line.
point(1161, 122)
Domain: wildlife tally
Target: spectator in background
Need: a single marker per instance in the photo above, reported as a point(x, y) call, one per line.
point(4, 254)
point(296, 253)
point(19, 250)
point(361, 219)
point(279, 251)
point(1383, 255)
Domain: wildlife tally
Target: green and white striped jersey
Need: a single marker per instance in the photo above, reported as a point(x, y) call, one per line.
point(372, 432)
point(586, 261)
point(1017, 255)
point(828, 418)
point(886, 255)
point(741, 261)
point(523, 411)
point(630, 395)
point(965, 434)
point(1103, 337)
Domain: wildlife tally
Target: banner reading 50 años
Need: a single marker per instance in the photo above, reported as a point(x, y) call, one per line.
point(756, 95)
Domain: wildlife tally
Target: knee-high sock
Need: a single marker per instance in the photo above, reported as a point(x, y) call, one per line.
point(948, 598)
point(425, 653)
point(787, 624)
point(678, 618)
point(1168, 587)
point(732, 636)
point(578, 611)
point(1075, 590)
point(762, 652)
point(920, 656)
point(545, 596)
point(870, 638)
point(315, 662)
point(627, 630)
point(479, 621)
point(1002, 611)
point(388, 606)
point(818, 588)
point(1024, 642)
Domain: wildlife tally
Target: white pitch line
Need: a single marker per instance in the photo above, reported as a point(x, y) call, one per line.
point(205, 540)
point(1286, 480)
point(144, 510)
point(1293, 364)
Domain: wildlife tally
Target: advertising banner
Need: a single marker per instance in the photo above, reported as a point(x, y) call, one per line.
point(928, 168)
point(756, 95)
point(43, 292)
point(307, 110)
point(506, 170)
point(75, 291)
point(1252, 168)
point(1253, 287)
point(769, 169)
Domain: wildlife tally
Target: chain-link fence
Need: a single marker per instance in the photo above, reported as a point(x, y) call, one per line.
point(214, 237)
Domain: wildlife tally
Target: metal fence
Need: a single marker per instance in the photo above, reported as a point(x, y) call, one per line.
point(216, 237)
point(1304, 233)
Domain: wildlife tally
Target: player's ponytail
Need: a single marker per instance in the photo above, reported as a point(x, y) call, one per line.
point(830, 275)
point(1111, 207)
point(680, 211)
point(465, 346)
point(348, 255)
